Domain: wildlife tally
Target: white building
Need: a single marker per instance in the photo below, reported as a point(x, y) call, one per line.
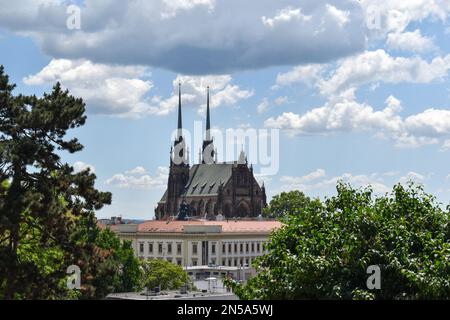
point(199, 243)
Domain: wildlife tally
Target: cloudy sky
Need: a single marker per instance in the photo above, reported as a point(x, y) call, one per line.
point(359, 89)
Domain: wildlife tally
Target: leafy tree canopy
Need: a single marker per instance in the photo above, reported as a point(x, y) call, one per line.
point(325, 247)
point(159, 272)
point(47, 219)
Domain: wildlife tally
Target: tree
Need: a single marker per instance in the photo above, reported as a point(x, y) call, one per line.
point(324, 249)
point(285, 203)
point(122, 270)
point(159, 272)
point(45, 206)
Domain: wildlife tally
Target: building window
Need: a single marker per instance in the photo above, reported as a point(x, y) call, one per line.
point(246, 262)
point(179, 262)
point(229, 262)
point(213, 262)
point(141, 248)
point(253, 247)
point(169, 248)
point(229, 248)
point(223, 248)
point(150, 248)
point(235, 248)
point(194, 248)
point(241, 247)
point(258, 247)
point(235, 262)
point(223, 262)
point(241, 262)
point(194, 262)
point(246, 247)
point(213, 248)
point(160, 248)
point(178, 248)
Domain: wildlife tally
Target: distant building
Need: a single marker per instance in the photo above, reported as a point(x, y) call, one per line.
point(111, 221)
point(209, 188)
point(172, 295)
point(231, 243)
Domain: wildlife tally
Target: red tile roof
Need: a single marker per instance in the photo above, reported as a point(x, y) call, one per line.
point(230, 226)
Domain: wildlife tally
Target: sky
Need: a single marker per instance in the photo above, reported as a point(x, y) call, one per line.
point(356, 90)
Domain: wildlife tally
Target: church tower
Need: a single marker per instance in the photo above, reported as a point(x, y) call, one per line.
point(208, 152)
point(179, 165)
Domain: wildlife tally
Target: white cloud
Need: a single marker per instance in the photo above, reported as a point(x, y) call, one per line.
point(223, 92)
point(344, 114)
point(281, 100)
point(266, 104)
point(307, 74)
point(445, 145)
point(137, 179)
point(80, 166)
point(285, 15)
point(410, 41)
point(341, 113)
point(173, 6)
point(412, 177)
point(195, 36)
point(341, 17)
point(125, 91)
point(106, 89)
point(137, 171)
point(319, 173)
point(369, 67)
point(431, 122)
point(263, 106)
point(396, 16)
point(379, 66)
point(317, 182)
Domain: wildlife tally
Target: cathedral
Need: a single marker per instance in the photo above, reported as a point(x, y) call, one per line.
point(209, 189)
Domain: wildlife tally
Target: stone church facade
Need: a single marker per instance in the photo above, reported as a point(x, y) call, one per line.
point(209, 188)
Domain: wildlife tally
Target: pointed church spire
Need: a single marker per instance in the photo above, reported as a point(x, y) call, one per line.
point(208, 144)
point(208, 120)
point(180, 121)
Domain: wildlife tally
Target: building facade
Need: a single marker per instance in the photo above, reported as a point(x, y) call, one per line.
point(199, 243)
point(209, 188)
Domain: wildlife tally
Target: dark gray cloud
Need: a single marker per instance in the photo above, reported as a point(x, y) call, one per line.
point(194, 36)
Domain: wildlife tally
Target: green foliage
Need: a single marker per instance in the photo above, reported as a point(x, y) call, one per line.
point(324, 248)
point(286, 203)
point(164, 273)
point(47, 219)
point(121, 267)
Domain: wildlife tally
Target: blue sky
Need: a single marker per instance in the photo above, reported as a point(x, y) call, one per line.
point(358, 89)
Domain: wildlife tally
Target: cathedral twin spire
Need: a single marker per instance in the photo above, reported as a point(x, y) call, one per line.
point(180, 121)
point(207, 154)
